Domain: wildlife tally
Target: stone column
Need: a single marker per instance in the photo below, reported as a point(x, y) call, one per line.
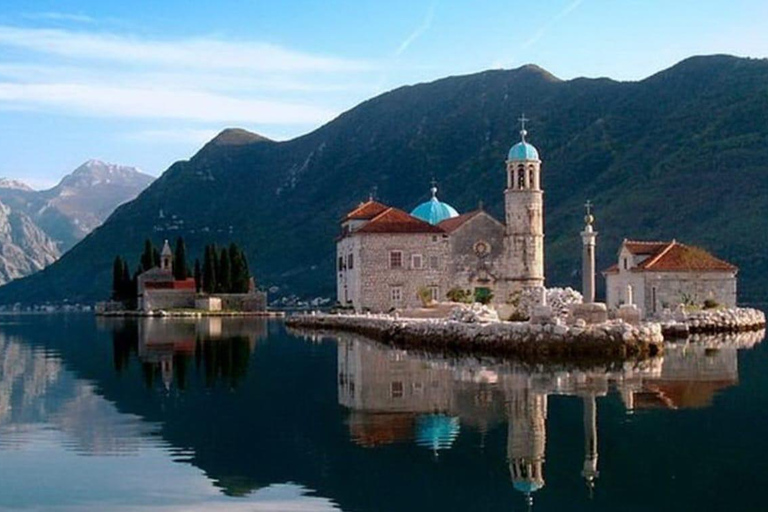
point(588, 237)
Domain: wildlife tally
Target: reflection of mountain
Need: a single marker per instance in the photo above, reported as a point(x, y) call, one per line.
point(36, 389)
point(281, 420)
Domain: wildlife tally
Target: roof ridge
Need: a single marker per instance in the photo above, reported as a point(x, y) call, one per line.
point(659, 254)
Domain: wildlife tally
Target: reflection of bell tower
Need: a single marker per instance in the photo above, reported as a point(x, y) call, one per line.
point(526, 440)
point(590, 472)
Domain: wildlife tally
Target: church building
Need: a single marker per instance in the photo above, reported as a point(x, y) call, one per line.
point(386, 257)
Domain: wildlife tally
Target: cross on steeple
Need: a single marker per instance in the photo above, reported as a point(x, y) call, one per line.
point(374, 191)
point(434, 187)
point(523, 131)
point(588, 206)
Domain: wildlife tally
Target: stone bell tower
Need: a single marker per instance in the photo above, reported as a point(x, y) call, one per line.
point(524, 207)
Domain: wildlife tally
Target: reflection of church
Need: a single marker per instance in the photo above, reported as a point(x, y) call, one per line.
point(396, 397)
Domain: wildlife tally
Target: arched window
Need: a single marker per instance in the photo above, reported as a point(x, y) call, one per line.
point(521, 177)
point(530, 177)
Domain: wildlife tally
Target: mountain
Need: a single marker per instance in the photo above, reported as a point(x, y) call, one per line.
point(681, 154)
point(24, 247)
point(80, 202)
point(36, 227)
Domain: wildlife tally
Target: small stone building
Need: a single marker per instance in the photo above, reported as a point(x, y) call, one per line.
point(659, 275)
point(157, 288)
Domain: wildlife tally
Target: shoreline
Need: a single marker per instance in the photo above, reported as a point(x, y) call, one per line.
point(189, 314)
point(609, 342)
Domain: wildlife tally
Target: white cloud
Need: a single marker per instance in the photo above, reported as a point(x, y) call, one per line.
point(203, 79)
point(199, 53)
point(425, 25)
point(134, 102)
point(60, 16)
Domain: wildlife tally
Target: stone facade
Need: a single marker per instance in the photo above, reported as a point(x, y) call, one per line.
point(660, 275)
point(385, 257)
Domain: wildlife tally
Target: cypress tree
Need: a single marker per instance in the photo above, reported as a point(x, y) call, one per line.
point(155, 257)
point(180, 260)
point(128, 290)
point(198, 276)
point(216, 268)
point(209, 271)
point(246, 271)
point(236, 269)
point(146, 256)
point(225, 267)
point(117, 278)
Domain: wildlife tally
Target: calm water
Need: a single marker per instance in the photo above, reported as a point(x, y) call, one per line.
point(234, 415)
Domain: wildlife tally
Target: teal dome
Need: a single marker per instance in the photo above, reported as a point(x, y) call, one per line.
point(436, 431)
point(523, 151)
point(527, 487)
point(434, 211)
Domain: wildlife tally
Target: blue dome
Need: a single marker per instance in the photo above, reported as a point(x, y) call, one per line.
point(527, 487)
point(434, 211)
point(523, 151)
point(436, 431)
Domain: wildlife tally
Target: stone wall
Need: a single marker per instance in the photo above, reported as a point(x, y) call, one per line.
point(167, 299)
point(256, 301)
point(470, 267)
point(377, 279)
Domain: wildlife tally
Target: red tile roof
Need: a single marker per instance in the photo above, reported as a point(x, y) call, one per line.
point(366, 211)
point(393, 220)
point(640, 248)
point(454, 223)
point(673, 257)
point(187, 284)
point(680, 257)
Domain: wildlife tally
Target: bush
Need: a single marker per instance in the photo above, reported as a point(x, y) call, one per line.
point(483, 295)
point(425, 296)
point(711, 304)
point(459, 295)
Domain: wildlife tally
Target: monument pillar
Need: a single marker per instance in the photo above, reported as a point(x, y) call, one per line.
point(588, 237)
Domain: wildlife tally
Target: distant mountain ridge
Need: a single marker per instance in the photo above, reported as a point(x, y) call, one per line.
point(36, 227)
point(682, 154)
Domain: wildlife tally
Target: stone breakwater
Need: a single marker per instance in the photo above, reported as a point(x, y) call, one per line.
point(713, 321)
point(610, 341)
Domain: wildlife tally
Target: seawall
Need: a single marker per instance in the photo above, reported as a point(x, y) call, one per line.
point(610, 341)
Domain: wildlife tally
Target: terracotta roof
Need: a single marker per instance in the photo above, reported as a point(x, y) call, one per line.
point(366, 211)
point(393, 220)
point(454, 223)
point(640, 248)
point(673, 257)
point(679, 257)
point(187, 284)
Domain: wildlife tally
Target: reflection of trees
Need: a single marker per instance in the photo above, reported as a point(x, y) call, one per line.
point(226, 360)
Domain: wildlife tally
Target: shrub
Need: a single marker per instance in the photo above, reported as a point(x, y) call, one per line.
point(459, 295)
point(425, 296)
point(483, 295)
point(711, 304)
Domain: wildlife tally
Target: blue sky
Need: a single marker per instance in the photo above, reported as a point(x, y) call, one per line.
point(146, 83)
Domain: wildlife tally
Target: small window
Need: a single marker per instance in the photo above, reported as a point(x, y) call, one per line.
point(434, 292)
point(434, 238)
point(396, 259)
point(416, 261)
point(341, 263)
point(396, 389)
point(350, 261)
point(434, 262)
point(625, 264)
point(396, 294)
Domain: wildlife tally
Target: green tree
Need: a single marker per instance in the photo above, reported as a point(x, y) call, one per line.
point(155, 257)
point(180, 260)
point(128, 286)
point(117, 279)
point(225, 268)
point(198, 276)
point(209, 270)
point(146, 256)
point(238, 269)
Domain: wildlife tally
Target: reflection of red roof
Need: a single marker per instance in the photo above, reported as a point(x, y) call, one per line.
point(366, 211)
point(186, 284)
point(372, 429)
point(685, 394)
point(673, 257)
point(393, 220)
point(454, 223)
